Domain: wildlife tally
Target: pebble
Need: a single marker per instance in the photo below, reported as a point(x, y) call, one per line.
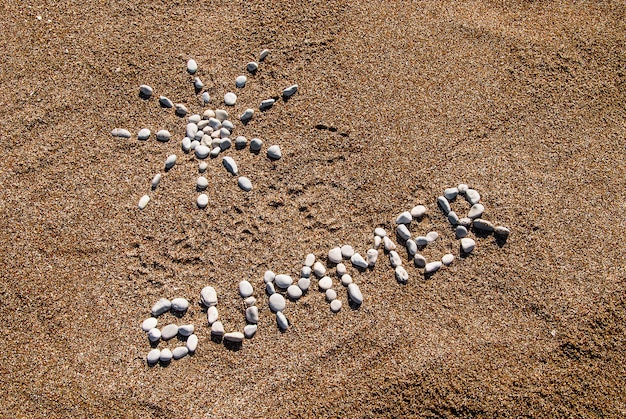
point(388, 244)
point(191, 130)
point(394, 259)
point(255, 145)
point(245, 289)
point(192, 343)
point(153, 356)
point(309, 260)
point(230, 165)
point(246, 115)
point(404, 218)
point(197, 83)
point(154, 334)
point(462, 188)
point(192, 66)
point(290, 91)
point(401, 274)
point(306, 271)
point(502, 231)
point(282, 321)
point(432, 236)
point(476, 211)
point(334, 255)
point(447, 259)
point(268, 277)
point(186, 330)
point(354, 293)
point(169, 331)
point(202, 200)
point(294, 291)
point(170, 161)
point(217, 328)
point(206, 98)
point(181, 110)
point(335, 306)
point(208, 114)
point(165, 102)
point(215, 152)
point(377, 242)
point(421, 241)
point(319, 270)
point(180, 305)
point(277, 302)
point(202, 183)
point(346, 280)
point(325, 283)
point(465, 222)
point(244, 183)
point(269, 288)
point(145, 91)
point(347, 251)
point(418, 211)
point(358, 261)
point(443, 204)
point(432, 267)
point(460, 231)
point(252, 314)
point(240, 81)
point(143, 134)
point(235, 337)
point(143, 201)
point(225, 134)
point(283, 281)
point(341, 269)
point(230, 99)
point(304, 284)
point(252, 67)
point(263, 54)
point(163, 135)
point(208, 296)
point(274, 153)
point(185, 144)
point(372, 257)
point(241, 142)
point(483, 225)
point(453, 218)
point(451, 193)
point(403, 232)
point(203, 166)
point(266, 104)
point(411, 247)
point(221, 115)
point(380, 232)
point(250, 301)
point(472, 196)
point(161, 307)
point(179, 352)
point(149, 323)
point(331, 295)
point(120, 132)
point(250, 330)
point(165, 355)
point(419, 260)
point(467, 244)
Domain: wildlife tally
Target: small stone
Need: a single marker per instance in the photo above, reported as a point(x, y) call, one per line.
point(268, 277)
point(230, 99)
point(206, 98)
point(143, 201)
point(453, 218)
point(235, 337)
point(380, 232)
point(401, 275)
point(502, 232)
point(354, 293)
point(185, 144)
point(335, 306)
point(191, 130)
point(269, 288)
point(192, 66)
point(403, 232)
point(472, 196)
point(181, 110)
point(388, 244)
point(145, 91)
point(163, 135)
point(240, 81)
point(290, 91)
point(282, 321)
point(170, 161)
point(346, 280)
point(309, 260)
point(250, 301)
point(217, 329)
point(263, 54)
point(266, 104)
point(319, 270)
point(202, 183)
point(451, 193)
point(154, 334)
point(255, 145)
point(143, 134)
point(465, 222)
point(244, 183)
point(165, 102)
point(252, 314)
point(304, 284)
point(161, 307)
point(377, 242)
point(411, 247)
point(419, 260)
point(467, 245)
point(241, 142)
point(372, 257)
point(221, 115)
point(250, 330)
point(358, 261)
point(432, 236)
point(462, 188)
point(483, 225)
point(252, 67)
point(447, 259)
point(180, 305)
point(331, 295)
point(334, 255)
point(202, 200)
point(476, 211)
point(460, 231)
point(443, 204)
point(325, 283)
point(208, 114)
point(274, 152)
point(283, 281)
point(153, 356)
point(404, 218)
point(421, 241)
point(165, 356)
point(121, 133)
point(341, 269)
point(197, 83)
point(179, 352)
point(230, 165)
point(245, 289)
point(208, 296)
point(224, 133)
point(306, 271)
point(418, 211)
point(215, 152)
point(149, 323)
point(394, 259)
point(294, 292)
point(347, 251)
point(169, 331)
point(432, 267)
point(192, 343)
point(186, 330)
point(277, 302)
point(246, 115)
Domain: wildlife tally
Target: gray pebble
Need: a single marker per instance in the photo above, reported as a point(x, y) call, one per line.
point(421, 241)
point(277, 302)
point(252, 67)
point(165, 102)
point(240, 81)
point(180, 305)
point(304, 284)
point(153, 356)
point(230, 165)
point(206, 98)
point(263, 54)
point(325, 283)
point(143, 134)
point(443, 204)
point(235, 337)
point(418, 211)
point(404, 218)
point(282, 321)
point(419, 260)
point(266, 104)
point(483, 225)
point(161, 307)
point(476, 211)
point(462, 188)
point(274, 152)
point(181, 110)
point(334, 255)
point(252, 315)
point(358, 261)
point(225, 143)
point(354, 293)
point(283, 281)
point(149, 323)
point(346, 280)
point(380, 232)
point(230, 99)
point(403, 232)
point(432, 267)
point(250, 330)
point(208, 296)
point(245, 289)
point(401, 274)
point(221, 115)
point(217, 329)
point(192, 66)
point(215, 152)
point(453, 218)
point(166, 355)
point(244, 183)
point(170, 161)
point(447, 259)
point(269, 288)
point(155, 181)
point(145, 91)
point(246, 115)
point(197, 83)
point(319, 270)
point(411, 247)
point(120, 132)
point(186, 330)
point(451, 193)
point(502, 231)
point(290, 91)
point(255, 145)
point(241, 142)
point(394, 259)
point(460, 231)
point(192, 343)
point(179, 352)
point(154, 335)
point(331, 295)
point(169, 331)
point(432, 236)
point(372, 257)
point(163, 135)
point(306, 271)
point(335, 306)
point(294, 292)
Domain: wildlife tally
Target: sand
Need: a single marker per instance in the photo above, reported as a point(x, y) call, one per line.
point(525, 101)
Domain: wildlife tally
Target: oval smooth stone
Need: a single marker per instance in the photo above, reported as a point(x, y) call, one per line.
point(191, 130)
point(451, 193)
point(290, 91)
point(453, 218)
point(331, 295)
point(166, 355)
point(241, 142)
point(476, 211)
point(235, 337)
point(221, 115)
point(319, 270)
point(380, 232)
point(181, 110)
point(421, 240)
point(372, 257)
point(252, 314)
point(245, 289)
point(170, 161)
point(274, 152)
point(202, 151)
point(197, 83)
point(418, 211)
point(244, 183)
point(388, 244)
point(277, 302)
point(185, 144)
point(264, 54)
point(411, 247)
point(217, 329)
point(230, 99)
point(347, 251)
point(443, 204)
point(169, 331)
point(202, 183)
point(269, 288)
point(294, 292)
point(465, 222)
point(179, 352)
point(401, 274)
point(462, 188)
point(404, 218)
point(432, 267)
point(161, 307)
point(306, 271)
point(309, 260)
point(325, 283)
point(419, 260)
point(246, 115)
point(212, 314)
point(250, 330)
point(460, 231)
point(202, 200)
point(346, 280)
point(447, 259)
point(143, 134)
point(240, 81)
point(250, 301)
point(192, 343)
point(208, 296)
point(202, 166)
point(186, 330)
point(143, 201)
point(165, 102)
point(154, 334)
point(252, 67)
point(394, 259)
point(206, 98)
point(432, 236)
point(403, 232)
point(149, 323)
point(502, 231)
point(355, 293)
point(304, 284)
point(472, 196)
point(467, 244)
point(215, 152)
point(341, 269)
point(255, 145)
point(230, 165)
point(153, 356)
point(192, 66)
point(377, 242)
point(180, 304)
point(283, 281)
point(334, 255)
point(483, 225)
point(145, 91)
point(282, 321)
point(163, 135)
point(269, 276)
point(335, 306)
point(358, 261)
point(266, 104)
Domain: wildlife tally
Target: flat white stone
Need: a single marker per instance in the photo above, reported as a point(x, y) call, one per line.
point(283, 281)
point(372, 257)
point(451, 193)
point(331, 295)
point(346, 280)
point(395, 259)
point(341, 269)
point(230, 99)
point(163, 135)
point(404, 218)
point(325, 283)
point(154, 334)
point(186, 330)
point(191, 130)
point(476, 211)
point(165, 102)
point(453, 218)
point(354, 293)
point(347, 251)
point(401, 274)
point(120, 132)
point(290, 91)
point(153, 356)
point(432, 267)
point(149, 323)
point(208, 114)
point(143, 201)
point(221, 115)
point(244, 183)
point(143, 134)
point(250, 330)
point(309, 260)
point(472, 196)
point(306, 271)
point(334, 255)
point(185, 144)
point(460, 231)
point(215, 123)
point(380, 232)
point(181, 110)
point(202, 200)
point(197, 83)
point(483, 225)
point(194, 119)
point(208, 296)
point(268, 277)
point(169, 331)
point(255, 145)
point(358, 261)
point(294, 292)
point(145, 90)
point(432, 236)
point(277, 302)
point(202, 166)
point(252, 314)
point(467, 244)
point(304, 284)
point(465, 222)
point(170, 161)
point(418, 211)
point(335, 306)
point(419, 260)
point(217, 328)
point(282, 321)
point(246, 115)
point(240, 81)
point(161, 307)
point(235, 337)
point(202, 183)
point(502, 231)
point(206, 98)
point(319, 270)
point(225, 134)
point(411, 247)
point(443, 204)
point(180, 304)
point(180, 352)
point(250, 301)
point(165, 355)
point(266, 104)
point(192, 343)
point(377, 242)
point(245, 289)
point(421, 241)
point(230, 165)
point(192, 66)
point(403, 232)
point(462, 188)
point(264, 54)
point(241, 142)
point(252, 67)
point(447, 259)
point(388, 244)
point(215, 152)
point(274, 153)
point(269, 288)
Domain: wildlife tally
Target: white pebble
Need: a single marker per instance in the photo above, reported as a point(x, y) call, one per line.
point(277, 302)
point(202, 166)
point(395, 259)
point(453, 218)
point(274, 153)
point(165, 102)
point(202, 200)
point(245, 289)
point(217, 328)
point(377, 242)
point(180, 304)
point(309, 260)
point(244, 183)
point(169, 331)
point(465, 222)
point(467, 244)
point(460, 231)
point(170, 161)
point(372, 257)
point(143, 201)
point(358, 261)
point(476, 211)
point(304, 284)
point(411, 247)
point(235, 337)
point(230, 99)
point(325, 283)
point(240, 81)
point(202, 183)
point(212, 315)
point(185, 144)
point(268, 277)
point(186, 330)
point(418, 211)
point(215, 152)
point(341, 269)
point(181, 110)
point(283, 281)
point(252, 315)
point(432, 267)
point(221, 115)
point(145, 91)
point(294, 292)
point(401, 274)
point(179, 352)
point(192, 66)
point(319, 270)
point(149, 323)
point(380, 232)
point(484, 225)
point(388, 244)
point(255, 145)
point(153, 356)
point(290, 91)
point(334, 255)
point(241, 142)
point(161, 307)
point(208, 296)
point(346, 280)
point(354, 293)
point(266, 104)
point(419, 260)
point(462, 188)
point(230, 165)
point(163, 135)
point(208, 114)
point(472, 196)
point(443, 204)
point(250, 301)
point(166, 355)
point(404, 218)
point(192, 343)
point(250, 330)
point(347, 251)
point(143, 134)
point(263, 54)
point(335, 306)
point(451, 193)
point(432, 236)
point(282, 321)
point(246, 115)
point(306, 271)
point(121, 133)
point(447, 259)
point(331, 295)
point(197, 83)
point(252, 67)
point(154, 334)
point(403, 232)
point(206, 98)
point(421, 241)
